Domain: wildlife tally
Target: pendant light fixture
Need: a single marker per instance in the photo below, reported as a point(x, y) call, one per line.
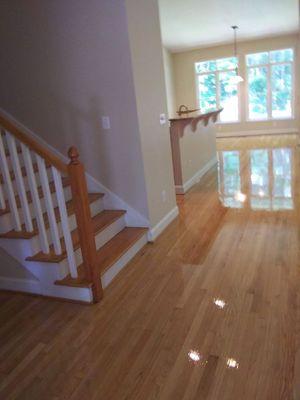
point(237, 78)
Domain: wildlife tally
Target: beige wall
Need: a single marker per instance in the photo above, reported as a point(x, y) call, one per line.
point(65, 64)
point(148, 74)
point(197, 149)
point(170, 82)
point(185, 87)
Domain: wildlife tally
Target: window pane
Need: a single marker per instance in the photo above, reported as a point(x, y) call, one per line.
point(282, 173)
point(257, 78)
point(227, 63)
point(228, 97)
point(281, 91)
point(205, 66)
point(282, 55)
point(231, 162)
point(207, 92)
point(258, 58)
point(231, 179)
point(259, 172)
point(260, 196)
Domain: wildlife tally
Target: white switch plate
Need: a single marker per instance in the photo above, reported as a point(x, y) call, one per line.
point(105, 122)
point(162, 119)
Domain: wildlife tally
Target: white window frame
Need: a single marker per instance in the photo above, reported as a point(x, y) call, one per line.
point(216, 73)
point(269, 87)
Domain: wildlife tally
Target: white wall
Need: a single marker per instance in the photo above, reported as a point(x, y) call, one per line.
point(64, 64)
point(185, 86)
point(170, 82)
point(197, 149)
point(148, 73)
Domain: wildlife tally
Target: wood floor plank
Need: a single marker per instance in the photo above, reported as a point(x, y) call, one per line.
point(222, 281)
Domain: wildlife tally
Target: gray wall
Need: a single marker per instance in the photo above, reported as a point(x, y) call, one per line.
point(64, 64)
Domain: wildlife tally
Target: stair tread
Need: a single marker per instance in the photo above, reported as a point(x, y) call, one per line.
point(107, 255)
point(23, 234)
point(65, 183)
point(99, 221)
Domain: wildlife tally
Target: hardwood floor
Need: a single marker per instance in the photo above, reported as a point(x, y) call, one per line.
point(210, 311)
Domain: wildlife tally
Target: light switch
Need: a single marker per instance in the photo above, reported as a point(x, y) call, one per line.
point(105, 122)
point(162, 119)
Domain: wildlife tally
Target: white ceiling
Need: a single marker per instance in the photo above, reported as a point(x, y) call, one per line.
point(189, 24)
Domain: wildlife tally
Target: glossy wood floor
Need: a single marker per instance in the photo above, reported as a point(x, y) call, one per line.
point(210, 311)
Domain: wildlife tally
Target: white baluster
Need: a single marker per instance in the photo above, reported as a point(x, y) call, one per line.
point(2, 199)
point(9, 188)
point(19, 181)
point(64, 222)
point(49, 204)
point(35, 199)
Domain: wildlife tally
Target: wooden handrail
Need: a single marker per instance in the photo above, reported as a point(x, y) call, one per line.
point(84, 222)
point(33, 144)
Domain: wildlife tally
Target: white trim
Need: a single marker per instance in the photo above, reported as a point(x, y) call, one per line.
point(35, 287)
point(111, 200)
point(181, 189)
point(163, 223)
point(20, 285)
point(258, 132)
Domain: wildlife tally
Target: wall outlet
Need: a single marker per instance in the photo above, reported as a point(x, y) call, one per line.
point(164, 196)
point(105, 122)
point(162, 119)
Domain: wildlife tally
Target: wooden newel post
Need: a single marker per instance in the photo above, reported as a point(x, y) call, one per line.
point(84, 222)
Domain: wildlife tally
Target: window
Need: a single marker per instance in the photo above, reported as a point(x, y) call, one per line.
point(215, 89)
point(270, 84)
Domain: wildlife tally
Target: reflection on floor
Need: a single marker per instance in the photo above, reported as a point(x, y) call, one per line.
point(211, 311)
point(257, 178)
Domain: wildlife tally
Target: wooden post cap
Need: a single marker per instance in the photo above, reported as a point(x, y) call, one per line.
point(73, 155)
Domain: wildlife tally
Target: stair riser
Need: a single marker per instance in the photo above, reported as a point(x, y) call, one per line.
point(101, 238)
point(47, 273)
point(33, 244)
point(6, 223)
point(36, 287)
point(114, 270)
point(50, 272)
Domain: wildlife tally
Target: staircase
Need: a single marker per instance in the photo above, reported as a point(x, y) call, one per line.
point(58, 231)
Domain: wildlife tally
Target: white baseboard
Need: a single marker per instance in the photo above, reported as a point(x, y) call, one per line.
point(258, 132)
point(181, 189)
point(163, 223)
point(111, 200)
point(20, 285)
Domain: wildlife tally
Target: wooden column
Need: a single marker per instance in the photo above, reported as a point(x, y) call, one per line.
point(84, 222)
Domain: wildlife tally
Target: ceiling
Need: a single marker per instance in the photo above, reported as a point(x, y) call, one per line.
point(189, 24)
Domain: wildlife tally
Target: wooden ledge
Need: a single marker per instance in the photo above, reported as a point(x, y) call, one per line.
point(193, 120)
